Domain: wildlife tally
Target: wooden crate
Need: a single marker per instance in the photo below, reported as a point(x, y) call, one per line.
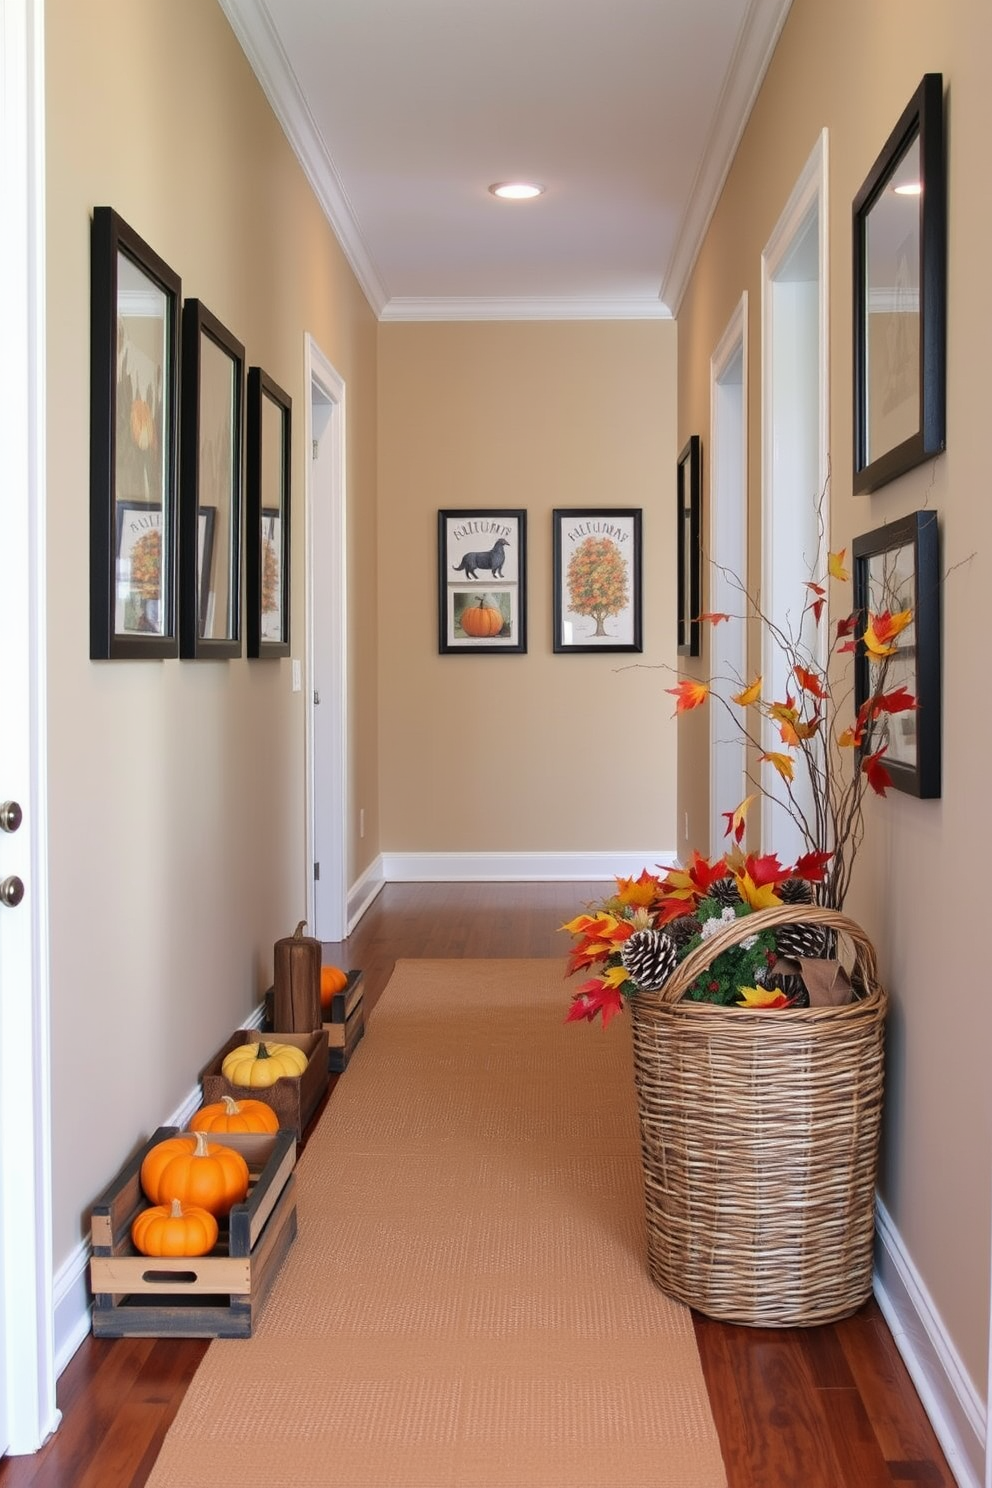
point(343, 1039)
point(294, 1098)
point(219, 1295)
point(343, 1003)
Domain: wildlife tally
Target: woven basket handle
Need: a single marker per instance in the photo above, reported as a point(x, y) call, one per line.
point(737, 930)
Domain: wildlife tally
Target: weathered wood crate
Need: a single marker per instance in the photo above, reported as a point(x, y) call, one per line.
point(345, 1023)
point(294, 1098)
point(219, 1295)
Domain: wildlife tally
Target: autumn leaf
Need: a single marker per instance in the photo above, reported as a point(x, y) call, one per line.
point(847, 626)
point(782, 763)
point(784, 712)
point(715, 617)
point(592, 998)
point(818, 602)
point(847, 646)
point(794, 733)
point(766, 869)
point(637, 891)
point(763, 997)
point(736, 818)
point(878, 776)
point(750, 694)
point(758, 896)
point(809, 682)
point(811, 865)
point(850, 738)
point(835, 565)
point(882, 630)
point(896, 701)
point(689, 695)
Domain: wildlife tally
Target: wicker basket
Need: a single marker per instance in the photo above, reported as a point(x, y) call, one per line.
point(759, 1133)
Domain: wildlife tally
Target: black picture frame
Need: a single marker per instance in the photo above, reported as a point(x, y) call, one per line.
point(897, 567)
point(688, 506)
point(482, 564)
point(210, 486)
point(900, 251)
point(134, 416)
point(268, 471)
point(597, 579)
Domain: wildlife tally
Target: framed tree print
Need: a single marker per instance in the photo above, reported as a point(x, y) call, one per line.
point(134, 386)
point(210, 505)
point(597, 578)
point(267, 547)
point(481, 580)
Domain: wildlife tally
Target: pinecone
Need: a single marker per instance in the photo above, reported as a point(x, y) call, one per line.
point(682, 930)
point(725, 892)
point(801, 940)
point(649, 958)
point(793, 986)
point(795, 891)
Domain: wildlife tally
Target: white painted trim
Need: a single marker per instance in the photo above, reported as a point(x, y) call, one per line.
point(756, 44)
point(727, 554)
point(365, 889)
point(503, 867)
point(251, 24)
point(956, 1411)
point(809, 196)
point(27, 1361)
point(333, 650)
point(411, 307)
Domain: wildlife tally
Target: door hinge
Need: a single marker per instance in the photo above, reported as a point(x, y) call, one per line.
point(316, 870)
point(316, 697)
point(315, 447)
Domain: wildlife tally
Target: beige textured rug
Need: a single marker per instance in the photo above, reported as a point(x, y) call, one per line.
point(467, 1304)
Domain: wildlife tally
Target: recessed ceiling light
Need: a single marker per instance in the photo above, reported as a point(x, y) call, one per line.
point(516, 190)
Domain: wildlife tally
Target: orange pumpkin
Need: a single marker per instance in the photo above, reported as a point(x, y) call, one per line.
point(174, 1230)
point(332, 980)
point(484, 620)
point(229, 1115)
point(195, 1171)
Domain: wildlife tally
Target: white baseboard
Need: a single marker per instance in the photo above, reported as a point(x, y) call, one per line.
point(469, 867)
point(361, 893)
point(956, 1411)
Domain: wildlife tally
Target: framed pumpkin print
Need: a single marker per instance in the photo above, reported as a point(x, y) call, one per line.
point(134, 386)
point(267, 516)
point(481, 581)
point(597, 579)
point(210, 490)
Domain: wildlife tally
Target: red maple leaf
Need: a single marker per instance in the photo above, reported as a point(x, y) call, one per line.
point(766, 870)
point(878, 776)
point(811, 865)
point(592, 998)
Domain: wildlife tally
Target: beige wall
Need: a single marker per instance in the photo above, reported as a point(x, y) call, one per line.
point(853, 69)
point(177, 788)
point(542, 752)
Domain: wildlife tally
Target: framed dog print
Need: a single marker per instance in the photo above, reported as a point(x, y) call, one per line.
point(597, 579)
point(481, 580)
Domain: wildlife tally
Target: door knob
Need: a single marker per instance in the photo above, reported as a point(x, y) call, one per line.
point(11, 891)
point(11, 816)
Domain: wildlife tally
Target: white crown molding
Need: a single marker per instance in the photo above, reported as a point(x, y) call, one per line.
point(252, 25)
point(496, 308)
point(755, 45)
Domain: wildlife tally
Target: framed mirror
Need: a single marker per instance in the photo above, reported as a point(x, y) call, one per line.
point(899, 296)
point(688, 538)
point(267, 514)
point(210, 486)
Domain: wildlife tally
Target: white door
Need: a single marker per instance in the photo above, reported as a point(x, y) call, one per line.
point(326, 567)
point(27, 1378)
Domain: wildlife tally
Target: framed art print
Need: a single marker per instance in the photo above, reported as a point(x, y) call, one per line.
point(481, 578)
point(597, 578)
point(267, 516)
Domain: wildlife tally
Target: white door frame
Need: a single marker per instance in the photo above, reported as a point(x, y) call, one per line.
point(727, 552)
point(28, 1412)
point(327, 647)
point(795, 516)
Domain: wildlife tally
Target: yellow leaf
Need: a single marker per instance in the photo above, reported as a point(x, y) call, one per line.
point(883, 629)
point(835, 565)
point(750, 694)
point(764, 897)
point(761, 997)
point(615, 976)
point(848, 738)
point(782, 763)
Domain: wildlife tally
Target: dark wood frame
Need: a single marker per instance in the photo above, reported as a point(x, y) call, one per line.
point(194, 572)
point(689, 475)
point(485, 525)
point(111, 239)
point(922, 119)
point(596, 515)
point(920, 532)
point(261, 386)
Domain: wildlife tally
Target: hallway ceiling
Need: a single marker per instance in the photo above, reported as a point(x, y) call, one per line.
point(403, 112)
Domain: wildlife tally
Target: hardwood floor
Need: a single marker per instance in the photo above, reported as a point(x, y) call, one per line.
point(827, 1407)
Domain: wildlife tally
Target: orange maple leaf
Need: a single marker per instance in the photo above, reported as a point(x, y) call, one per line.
point(715, 617)
point(689, 695)
point(809, 682)
point(750, 694)
point(835, 565)
point(882, 630)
